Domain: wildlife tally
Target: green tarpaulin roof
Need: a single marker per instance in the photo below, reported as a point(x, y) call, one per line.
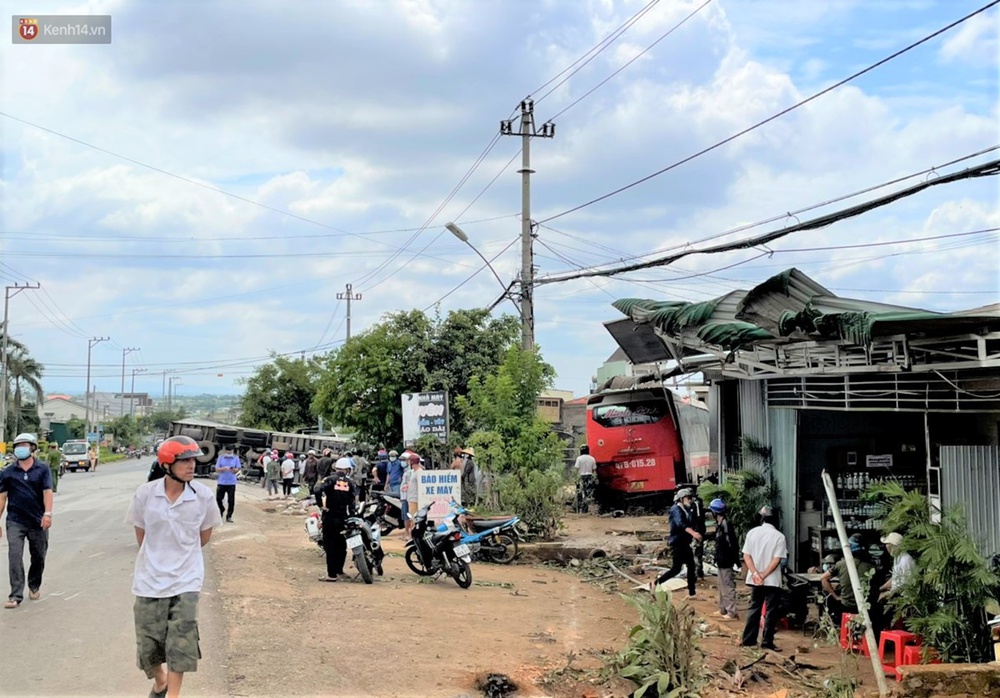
point(790, 306)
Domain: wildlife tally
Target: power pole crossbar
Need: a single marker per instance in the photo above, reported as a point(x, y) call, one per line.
point(527, 132)
point(349, 296)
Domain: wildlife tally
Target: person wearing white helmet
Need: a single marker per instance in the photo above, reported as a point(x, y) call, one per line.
point(682, 532)
point(26, 495)
point(337, 498)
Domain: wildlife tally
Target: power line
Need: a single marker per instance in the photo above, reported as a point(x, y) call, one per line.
point(474, 274)
point(594, 52)
point(989, 168)
point(187, 239)
point(628, 63)
point(622, 257)
point(773, 117)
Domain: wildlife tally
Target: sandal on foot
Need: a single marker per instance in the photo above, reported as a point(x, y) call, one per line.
point(153, 693)
point(35, 595)
point(327, 579)
point(11, 603)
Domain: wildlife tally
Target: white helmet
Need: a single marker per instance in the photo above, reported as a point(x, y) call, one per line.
point(26, 438)
point(343, 464)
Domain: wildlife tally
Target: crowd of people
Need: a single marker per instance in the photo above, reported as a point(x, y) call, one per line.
point(763, 557)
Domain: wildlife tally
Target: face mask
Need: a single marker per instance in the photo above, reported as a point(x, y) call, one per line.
point(826, 566)
point(22, 452)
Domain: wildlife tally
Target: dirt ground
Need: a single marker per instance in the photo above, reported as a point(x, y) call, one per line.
point(544, 625)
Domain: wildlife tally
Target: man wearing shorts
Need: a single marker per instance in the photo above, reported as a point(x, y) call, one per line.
point(173, 518)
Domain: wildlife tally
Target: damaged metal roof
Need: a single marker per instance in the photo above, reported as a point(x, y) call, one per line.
point(787, 310)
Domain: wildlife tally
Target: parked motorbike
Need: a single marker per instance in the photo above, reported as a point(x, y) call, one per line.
point(493, 540)
point(438, 551)
point(383, 510)
point(364, 543)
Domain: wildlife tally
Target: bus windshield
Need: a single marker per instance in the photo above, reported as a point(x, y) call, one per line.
point(630, 414)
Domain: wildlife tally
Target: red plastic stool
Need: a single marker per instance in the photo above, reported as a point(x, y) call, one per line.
point(900, 640)
point(846, 641)
point(782, 623)
point(914, 654)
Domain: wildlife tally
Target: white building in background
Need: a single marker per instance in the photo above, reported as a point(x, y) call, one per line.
point(59, 409)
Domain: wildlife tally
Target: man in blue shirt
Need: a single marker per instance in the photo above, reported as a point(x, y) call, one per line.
point(395, 473)
point(227, 466)
point(26, 486)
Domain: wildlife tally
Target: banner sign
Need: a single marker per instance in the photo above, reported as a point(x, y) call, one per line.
point(425, 414)
point(438, 488)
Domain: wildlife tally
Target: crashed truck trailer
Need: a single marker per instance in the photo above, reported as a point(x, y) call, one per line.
point(247, 443)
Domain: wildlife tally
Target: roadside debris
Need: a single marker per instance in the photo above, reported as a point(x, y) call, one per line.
point(497, 686)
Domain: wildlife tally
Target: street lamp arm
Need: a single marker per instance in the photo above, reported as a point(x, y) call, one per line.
point(460, 234)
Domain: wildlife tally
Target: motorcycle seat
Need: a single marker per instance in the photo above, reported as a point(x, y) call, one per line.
point(488, 524)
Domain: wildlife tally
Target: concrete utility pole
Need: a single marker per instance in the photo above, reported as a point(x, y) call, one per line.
point(125, 352)
point(348, 296)
point(170, 392)
point(90, 345)
point(527, 132)
point(16, 288)
point(131, 395)
point(170, 396)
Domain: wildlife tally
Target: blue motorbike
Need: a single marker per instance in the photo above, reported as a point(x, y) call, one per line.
point(492, 540)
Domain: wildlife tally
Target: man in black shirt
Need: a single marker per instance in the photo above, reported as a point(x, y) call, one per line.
point(336, 496)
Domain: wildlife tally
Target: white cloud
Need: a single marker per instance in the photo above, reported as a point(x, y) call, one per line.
point(363, 119)
point(975, 42)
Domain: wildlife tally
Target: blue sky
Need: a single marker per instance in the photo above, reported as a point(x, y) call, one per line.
point(337, 130)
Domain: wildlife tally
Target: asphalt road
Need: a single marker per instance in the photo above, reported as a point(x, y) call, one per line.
point(79, 638)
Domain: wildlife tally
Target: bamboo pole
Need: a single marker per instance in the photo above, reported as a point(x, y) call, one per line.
point(859, 597)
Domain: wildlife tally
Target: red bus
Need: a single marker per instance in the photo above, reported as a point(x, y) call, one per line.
point(646, 442)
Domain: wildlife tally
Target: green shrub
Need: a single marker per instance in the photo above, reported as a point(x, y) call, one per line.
point(662, 655)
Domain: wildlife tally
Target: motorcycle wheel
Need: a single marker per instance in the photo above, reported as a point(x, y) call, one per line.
point(462, 573)
point(385, 527)
point(509, 552)
point(414, 563)
point(362, 564)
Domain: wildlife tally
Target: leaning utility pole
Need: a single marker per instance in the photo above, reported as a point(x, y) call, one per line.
point(125, 352)
point(527, 132)
point(90, 345)
point(16, 288)
point(349, 296)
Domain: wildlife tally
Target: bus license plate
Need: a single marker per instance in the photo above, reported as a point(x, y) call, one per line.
point(354, 542)
point(638, 485)
point(462, 550)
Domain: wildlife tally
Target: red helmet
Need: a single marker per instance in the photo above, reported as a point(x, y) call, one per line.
point(177, 448)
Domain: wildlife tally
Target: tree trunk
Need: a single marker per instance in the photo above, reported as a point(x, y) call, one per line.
point(17, 407)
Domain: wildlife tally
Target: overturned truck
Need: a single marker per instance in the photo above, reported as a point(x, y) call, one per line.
point(248, 444)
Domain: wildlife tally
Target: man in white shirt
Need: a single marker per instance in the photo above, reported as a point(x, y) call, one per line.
point(586, 465)
point(173, 519)
point(764, 549)
point(903, 565)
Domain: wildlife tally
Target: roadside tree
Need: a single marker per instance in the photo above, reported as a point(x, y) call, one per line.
point(518, 450)
point(279, 395)
point(407, 352)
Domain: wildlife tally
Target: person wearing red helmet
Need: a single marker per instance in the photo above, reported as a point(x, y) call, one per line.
point(173, 517)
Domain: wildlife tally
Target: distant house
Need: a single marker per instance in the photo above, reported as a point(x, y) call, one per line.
point(59, 409)
point(550, 404)
point(618, 364)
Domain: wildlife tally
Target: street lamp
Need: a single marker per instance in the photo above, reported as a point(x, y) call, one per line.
point(460, 234)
